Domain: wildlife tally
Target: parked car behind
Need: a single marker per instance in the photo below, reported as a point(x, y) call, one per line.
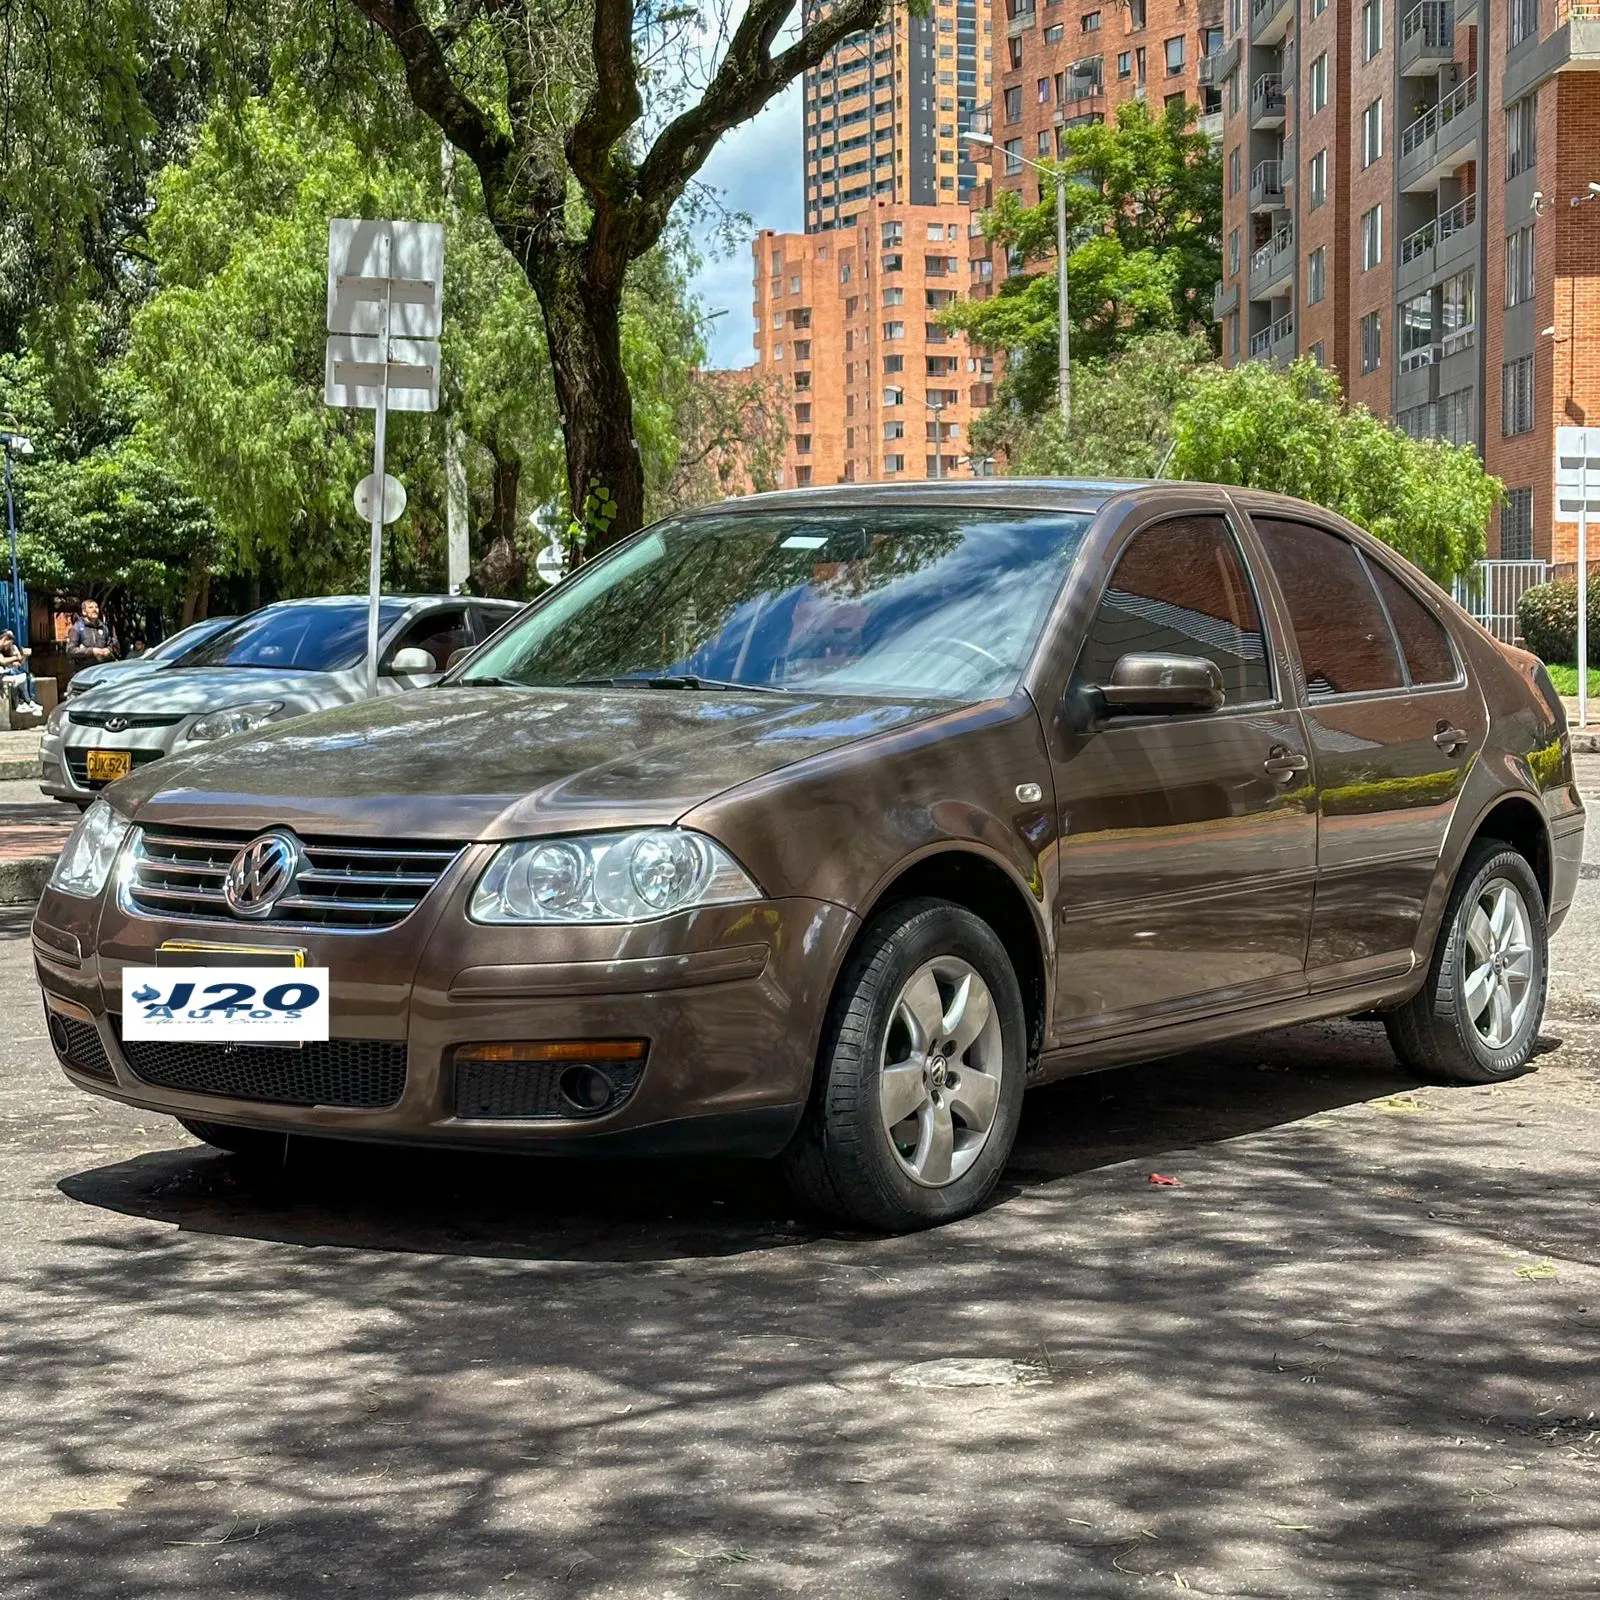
point(823, 824)
point(279, 662)
point(168, 653)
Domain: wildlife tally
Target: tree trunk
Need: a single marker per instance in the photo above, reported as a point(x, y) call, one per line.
point(583, 329)
point(502, 571)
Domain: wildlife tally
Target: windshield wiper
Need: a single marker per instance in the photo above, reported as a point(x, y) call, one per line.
point(483, 683)
point(672, 680)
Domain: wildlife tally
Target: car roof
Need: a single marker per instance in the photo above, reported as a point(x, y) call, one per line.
point(395, 599)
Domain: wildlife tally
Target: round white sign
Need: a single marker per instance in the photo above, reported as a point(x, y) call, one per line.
point(394, 498)
point(551, 564)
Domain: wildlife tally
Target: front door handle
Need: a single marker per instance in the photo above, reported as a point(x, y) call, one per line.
point(1449, 739)
point(1284, 763)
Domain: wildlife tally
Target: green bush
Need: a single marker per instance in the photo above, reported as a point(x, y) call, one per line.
point(1547, 618)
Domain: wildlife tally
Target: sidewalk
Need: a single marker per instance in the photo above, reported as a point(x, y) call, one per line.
point(32, 831)
point(19, 754)
point(1585, 741)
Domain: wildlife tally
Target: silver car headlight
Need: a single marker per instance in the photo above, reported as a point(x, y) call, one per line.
point(57, 719)
point(91, 849)
point(608, 877)
point(233, 719)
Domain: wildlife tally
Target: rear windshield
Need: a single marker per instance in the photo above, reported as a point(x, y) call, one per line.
point(885, 602)
point(291, 638)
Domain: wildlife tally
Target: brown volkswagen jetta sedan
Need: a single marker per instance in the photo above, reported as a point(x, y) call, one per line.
point(821, 824)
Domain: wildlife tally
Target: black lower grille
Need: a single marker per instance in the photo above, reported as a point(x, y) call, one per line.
point(532, 1089)
point(367, 1074)
point(78, 1044)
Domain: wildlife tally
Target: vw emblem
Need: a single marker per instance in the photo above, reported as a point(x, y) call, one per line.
point(261, 874)
point(116, 724)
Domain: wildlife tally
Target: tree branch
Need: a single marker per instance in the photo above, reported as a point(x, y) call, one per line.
point(614, 105)
point(456, 23)
point(749, 76)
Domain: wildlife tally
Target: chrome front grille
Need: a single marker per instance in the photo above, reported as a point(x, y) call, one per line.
point(350, 887)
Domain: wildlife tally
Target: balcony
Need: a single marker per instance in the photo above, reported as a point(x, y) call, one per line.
point(1439, 141)
point(1215, 69)
point(1266, 186)
point(1574, 46)
point(1427, 38)
point(1269, 105)
point(1436, 246)
point(1269, 20)
point(1275, 343)
point(1224, 300)
point(1272, 266)
point(1210, 124)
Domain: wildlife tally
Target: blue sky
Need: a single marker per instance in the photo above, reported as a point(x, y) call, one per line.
point(757, 170)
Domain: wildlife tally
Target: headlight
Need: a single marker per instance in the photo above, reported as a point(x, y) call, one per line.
point(92, 846)
point(608, 877)
point(235, 719)
point(57, 718)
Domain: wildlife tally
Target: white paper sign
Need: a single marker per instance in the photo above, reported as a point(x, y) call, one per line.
point(401, 263)
point(226, 1005)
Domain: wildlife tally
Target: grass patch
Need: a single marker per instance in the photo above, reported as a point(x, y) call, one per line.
point(1565, 678)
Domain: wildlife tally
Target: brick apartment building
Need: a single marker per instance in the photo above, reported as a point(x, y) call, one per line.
point(846, 319)
point(1406, 200)
point(887, 112)
point(1070, 62)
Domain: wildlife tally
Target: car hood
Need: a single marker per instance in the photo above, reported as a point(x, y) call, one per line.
point(186, 690)
point(489, 763)
point(116, 671)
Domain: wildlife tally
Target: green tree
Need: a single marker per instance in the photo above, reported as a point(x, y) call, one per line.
point(1144, 207)
point(1288, 430)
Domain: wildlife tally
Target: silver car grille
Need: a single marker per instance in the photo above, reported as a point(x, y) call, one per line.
point(350, 887)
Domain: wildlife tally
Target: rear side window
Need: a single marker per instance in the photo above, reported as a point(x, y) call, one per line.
point(1345, 643)
point(1423, 641)
point(1180, 589)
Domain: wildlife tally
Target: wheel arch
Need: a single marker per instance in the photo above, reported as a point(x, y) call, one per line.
point(970, 877)
point(1517, 820)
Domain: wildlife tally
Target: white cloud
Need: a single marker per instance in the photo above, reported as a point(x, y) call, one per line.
point(757, 170)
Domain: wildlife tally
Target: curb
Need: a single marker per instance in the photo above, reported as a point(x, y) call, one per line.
point(23, 881)
point(17, 769)
point(1585, 743)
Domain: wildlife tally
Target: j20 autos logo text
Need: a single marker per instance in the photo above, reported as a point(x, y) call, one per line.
point(243, 1004)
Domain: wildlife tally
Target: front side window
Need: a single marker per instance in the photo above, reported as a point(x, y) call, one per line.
point(1345, 643)
point(1181, 589)
point(930, 604)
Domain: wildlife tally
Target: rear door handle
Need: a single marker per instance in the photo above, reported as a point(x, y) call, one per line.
point(1449, 739)
point(1283, 763)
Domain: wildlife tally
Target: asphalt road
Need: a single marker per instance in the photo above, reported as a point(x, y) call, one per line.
point(1353, 1351)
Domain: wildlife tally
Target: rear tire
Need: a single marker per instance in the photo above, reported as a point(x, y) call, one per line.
point(254, 1145)
point(919, 1081)
point(1476, 1018)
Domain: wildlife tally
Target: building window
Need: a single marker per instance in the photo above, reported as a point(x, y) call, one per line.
point(1013, 150)
point(1014, 103)
point(1319, 83)
point(1125, 64)
point(1136, 18)
point(894, 463)
point(1371, 238)
point(1522, 22)
point(1371, 341)
point(894, 330)
point(1416, 332)
point(894, 430)
point(1522, 140)
point(1233, 336)
point(1317, 354)
point(892, 365)
point(1053, 35)
point(1014, 47)
point(1317, 180)
point(1519, 266)
point(894, 396)
point(1235, 169)
point(1516, 526)
point(1233, 253)
point(1174, 49)
point(1458, 311)
point(802, 413)
point(802, 444)
point(1089, 22)
point(1316, 275)
point(1372, 133)
point(1516, 397)
point(1371, 28)
point(1453, 417)
point(1318, 7)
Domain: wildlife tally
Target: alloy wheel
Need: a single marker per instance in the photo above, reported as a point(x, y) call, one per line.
point(939, 1075)
point(1499, 963)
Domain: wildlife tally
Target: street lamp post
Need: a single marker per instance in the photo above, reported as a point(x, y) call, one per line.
point(937, 408)
point(16, 444)
point(1064, 341)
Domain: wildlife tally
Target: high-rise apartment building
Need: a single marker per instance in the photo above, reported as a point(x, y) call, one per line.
point(1065, 63)
point(887, 112)
point(1407, 200)
point(875, 388)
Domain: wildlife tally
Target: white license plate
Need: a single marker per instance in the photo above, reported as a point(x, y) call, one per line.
point(229, 1005)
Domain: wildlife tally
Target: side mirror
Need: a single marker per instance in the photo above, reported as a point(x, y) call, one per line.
point(411, 662)
point(1141, 683)
point(456, 657)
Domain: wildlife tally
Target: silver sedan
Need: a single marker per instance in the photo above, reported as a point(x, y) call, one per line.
point(283, 661)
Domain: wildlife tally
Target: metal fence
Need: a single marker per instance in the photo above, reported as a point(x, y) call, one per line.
point(1490, 591)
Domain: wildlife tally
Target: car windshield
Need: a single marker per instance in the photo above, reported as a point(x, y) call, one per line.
point(934, 603)
point(290, 638)
point(185, 640)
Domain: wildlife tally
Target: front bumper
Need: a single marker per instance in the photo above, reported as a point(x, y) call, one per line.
point(57, 753)
point(730, 1000)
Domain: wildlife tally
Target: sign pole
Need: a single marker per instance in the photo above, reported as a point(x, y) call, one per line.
point(1583, 592)
point(375, 571)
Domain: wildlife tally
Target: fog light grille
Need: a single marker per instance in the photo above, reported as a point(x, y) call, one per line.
point(78, 1044)
point(539, 1090)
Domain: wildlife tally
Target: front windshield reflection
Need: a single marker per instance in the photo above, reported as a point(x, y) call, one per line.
point(891, 601)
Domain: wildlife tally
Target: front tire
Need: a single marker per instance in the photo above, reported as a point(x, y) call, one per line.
point(1476, 1018)
point(920, 1078)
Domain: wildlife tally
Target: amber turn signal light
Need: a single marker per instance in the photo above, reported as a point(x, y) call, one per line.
point(554, 1050)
